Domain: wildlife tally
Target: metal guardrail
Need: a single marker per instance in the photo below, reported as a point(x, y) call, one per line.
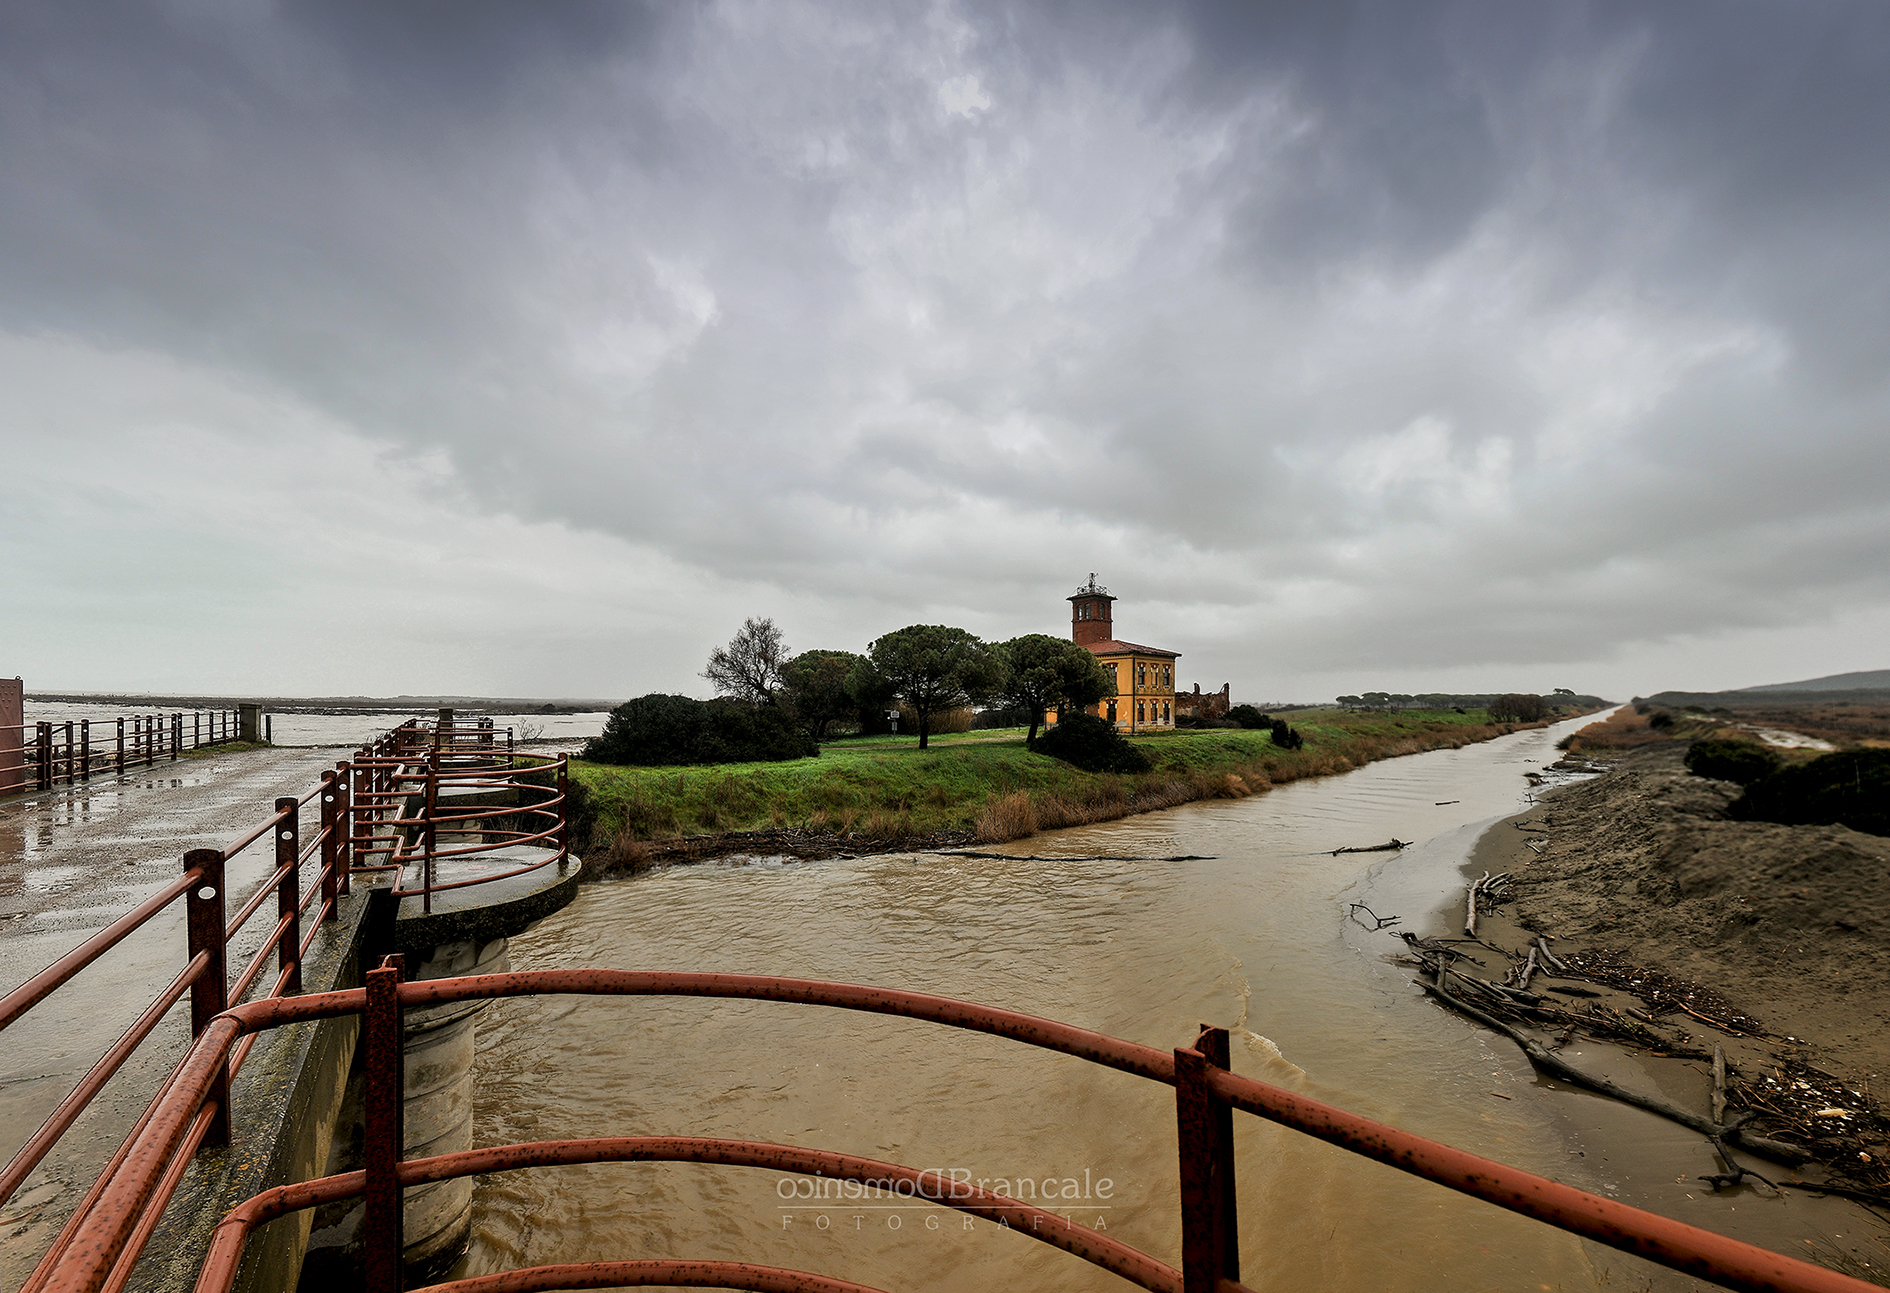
point(66, 753)
point(1206, 1096)
point(413, 782)
point(358, 801)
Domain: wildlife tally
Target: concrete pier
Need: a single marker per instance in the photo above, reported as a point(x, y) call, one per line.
point(437, 1219)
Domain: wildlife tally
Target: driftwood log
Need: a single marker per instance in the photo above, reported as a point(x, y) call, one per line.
point(1391, 845)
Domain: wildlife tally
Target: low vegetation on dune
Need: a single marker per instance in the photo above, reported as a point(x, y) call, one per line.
point(986, 785)
point(1794, 786)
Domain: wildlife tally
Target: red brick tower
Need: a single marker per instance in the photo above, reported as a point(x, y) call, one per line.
point(1089, 614)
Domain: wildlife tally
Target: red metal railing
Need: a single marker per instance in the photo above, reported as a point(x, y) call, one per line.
point(356, 801)
point(408, 783)
point(69, 752)
point(1206, 1095)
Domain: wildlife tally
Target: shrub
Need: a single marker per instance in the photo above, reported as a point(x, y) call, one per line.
point(1850, 788)
point(658, 730)
point(1249, 717)
point(1285, 737)
point(1092, 744)
point(1518, 707)
point(1726, 758)
point(1660, 720)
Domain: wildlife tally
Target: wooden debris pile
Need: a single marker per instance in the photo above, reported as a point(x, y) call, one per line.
point(1542, 1000)
point(1663, 992)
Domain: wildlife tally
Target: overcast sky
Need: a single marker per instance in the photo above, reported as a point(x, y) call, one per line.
point(525, 349)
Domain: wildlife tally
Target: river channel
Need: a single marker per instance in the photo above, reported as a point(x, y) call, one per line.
point(1253, 937)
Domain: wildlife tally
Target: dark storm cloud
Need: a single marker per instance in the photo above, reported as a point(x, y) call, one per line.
point(1348, 327)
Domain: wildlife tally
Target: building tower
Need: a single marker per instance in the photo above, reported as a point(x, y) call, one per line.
point(1090, 619)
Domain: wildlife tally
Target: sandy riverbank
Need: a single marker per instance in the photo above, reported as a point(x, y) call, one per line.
point(1790, 924)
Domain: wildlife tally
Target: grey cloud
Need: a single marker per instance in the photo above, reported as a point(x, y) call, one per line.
point(1452, 330)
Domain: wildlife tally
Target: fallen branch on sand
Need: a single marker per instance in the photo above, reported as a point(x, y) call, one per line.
point(1380, 922)
point(1494, 889)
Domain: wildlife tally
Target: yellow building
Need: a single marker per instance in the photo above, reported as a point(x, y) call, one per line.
point(1145, 675)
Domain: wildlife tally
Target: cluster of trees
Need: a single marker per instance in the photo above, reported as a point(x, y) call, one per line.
point(775, 704)
point(931, 668)
point(1389, 700)
point(1518, 707)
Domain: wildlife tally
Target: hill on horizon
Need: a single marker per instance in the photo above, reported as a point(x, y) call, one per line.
point(1865, 680)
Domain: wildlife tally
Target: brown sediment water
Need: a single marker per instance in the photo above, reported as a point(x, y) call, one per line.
point(1252, 935)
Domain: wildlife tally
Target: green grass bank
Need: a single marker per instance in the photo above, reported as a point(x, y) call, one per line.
point(982, 786)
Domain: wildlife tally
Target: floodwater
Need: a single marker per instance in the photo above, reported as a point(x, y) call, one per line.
point(1255, 937)
point(72, 861)
point(349, 730)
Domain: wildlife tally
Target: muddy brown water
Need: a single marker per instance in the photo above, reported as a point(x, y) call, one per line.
point(1255, 938)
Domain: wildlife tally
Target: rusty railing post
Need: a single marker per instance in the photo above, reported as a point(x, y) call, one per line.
point(564, 807)
point(209, 994)
point(344, 824)
point(69, 748)
point(177, 735)
point(196, 729)
point(383, 1100)
point(121, 746)
point(289, 894)
point(362, 795)
point(1210, 1221)
point(431, 836)
point(85, 749)
point(150, 756)
point(331, 851)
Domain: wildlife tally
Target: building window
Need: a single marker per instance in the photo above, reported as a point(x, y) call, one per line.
point(1165, 717)
point(1168, 675)
point(1139, 716)
point(1112, 711)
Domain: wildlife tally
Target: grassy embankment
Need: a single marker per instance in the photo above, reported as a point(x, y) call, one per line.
point(984, 783)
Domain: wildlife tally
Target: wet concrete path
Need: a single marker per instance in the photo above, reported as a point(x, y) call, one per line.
point(72, 861)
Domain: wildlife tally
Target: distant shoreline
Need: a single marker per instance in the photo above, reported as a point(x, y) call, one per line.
point(333, 704)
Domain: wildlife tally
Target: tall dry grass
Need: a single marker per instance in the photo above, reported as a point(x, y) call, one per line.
point(1020, 813)
point(1622, 730)
point(952, 720)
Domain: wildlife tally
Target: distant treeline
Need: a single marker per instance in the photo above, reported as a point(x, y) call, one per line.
point(1384, 701)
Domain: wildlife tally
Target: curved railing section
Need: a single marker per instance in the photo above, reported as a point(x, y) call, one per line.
point(108, 1236)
